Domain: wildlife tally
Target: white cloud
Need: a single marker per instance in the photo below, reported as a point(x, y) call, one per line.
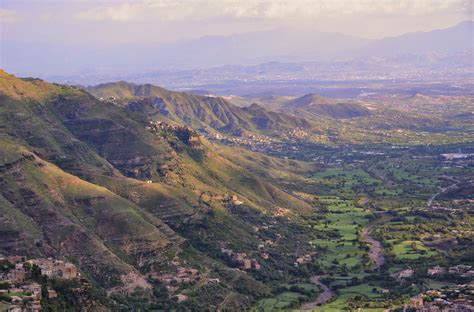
point(8, 16)
point(198, 10)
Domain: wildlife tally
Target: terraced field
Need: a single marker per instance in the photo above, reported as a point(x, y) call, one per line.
point(338, 234)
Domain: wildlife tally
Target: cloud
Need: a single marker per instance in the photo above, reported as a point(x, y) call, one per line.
point(198, 10)
point(8, 16)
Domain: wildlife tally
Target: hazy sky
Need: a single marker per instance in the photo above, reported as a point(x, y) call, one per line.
point(115, 21)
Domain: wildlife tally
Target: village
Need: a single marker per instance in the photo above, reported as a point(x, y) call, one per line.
point(187, 135)
point(19, 288)
point(453, 298)
point(240, 259)
point(178, 276)
point(448, 298)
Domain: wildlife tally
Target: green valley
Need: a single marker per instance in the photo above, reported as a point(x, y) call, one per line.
point(166, 200)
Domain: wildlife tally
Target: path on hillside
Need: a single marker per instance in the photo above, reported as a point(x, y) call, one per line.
point(443, 190)
point(322, 298)
point(380, 175)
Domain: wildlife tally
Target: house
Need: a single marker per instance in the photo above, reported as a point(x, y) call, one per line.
point(401, 275)
point(255, 264)
point(47, 272)
point(69, 271)
point(236, 201)
point(18, 274)
point(247, 264)
point(469, 273)
point(181, 298)
point(435, 270)
point(14, 259)
point(240, 257)
point(459, 269)
point(416, 302)
point(52, 294)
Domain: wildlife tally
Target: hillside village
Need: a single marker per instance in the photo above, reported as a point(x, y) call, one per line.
point(23, 284)
point(458, 298)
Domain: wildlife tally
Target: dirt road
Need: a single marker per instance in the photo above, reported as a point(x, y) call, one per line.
point(375, 252)
point(322, 298)
point(443, 190)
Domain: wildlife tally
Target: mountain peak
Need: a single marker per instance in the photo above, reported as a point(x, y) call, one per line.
point(309, 99)
point(24, 88)
point(320, 106)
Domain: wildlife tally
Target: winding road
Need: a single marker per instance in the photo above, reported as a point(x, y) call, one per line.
point(443, 190)
point(322, 298)
point(375, 255)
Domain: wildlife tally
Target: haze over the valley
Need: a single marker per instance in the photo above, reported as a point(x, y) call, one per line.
point(89, 42)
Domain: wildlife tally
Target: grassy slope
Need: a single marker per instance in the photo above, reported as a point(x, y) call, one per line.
point(198, 111)
point(47, 203)
point(93, 195)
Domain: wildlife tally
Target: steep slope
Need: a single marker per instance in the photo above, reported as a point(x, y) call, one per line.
point(57, 214)
point(199, 112)
point(123, 89)
point(76, 170)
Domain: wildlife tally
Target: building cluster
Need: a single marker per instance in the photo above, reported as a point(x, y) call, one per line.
point(302, 260)
point(184, 134)
point(25, 297)
point(436, 270)
point(456, 156)
point(262, 248)
point(403, 274)
point(173, 280)
point(182, 275)
point(56, 268)
point(241, 259)
point(453, 298)
point(49, 267)
point(18, 287)
point(457, 160)
point(295, 134)
point(461, 270)
point(254, 142)
point(234, 200)
point(209, 198)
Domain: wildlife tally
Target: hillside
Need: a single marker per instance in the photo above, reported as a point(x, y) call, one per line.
point(324, 107)
point(90, 181)
point(198, 112)
point(123, 89)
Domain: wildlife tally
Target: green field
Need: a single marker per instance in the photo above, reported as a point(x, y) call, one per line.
point(412, 250)
point(292, 297)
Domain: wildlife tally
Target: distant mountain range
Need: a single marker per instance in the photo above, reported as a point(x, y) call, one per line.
point(442, 42)
point(448, 48)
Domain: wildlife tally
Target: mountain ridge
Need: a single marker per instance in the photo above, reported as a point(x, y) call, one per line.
point(324, 107)
point(228, 50)
point(199, 112)
point(77, 170)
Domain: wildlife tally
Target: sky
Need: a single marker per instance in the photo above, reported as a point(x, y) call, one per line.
point(62, 37)
point(115, 21)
